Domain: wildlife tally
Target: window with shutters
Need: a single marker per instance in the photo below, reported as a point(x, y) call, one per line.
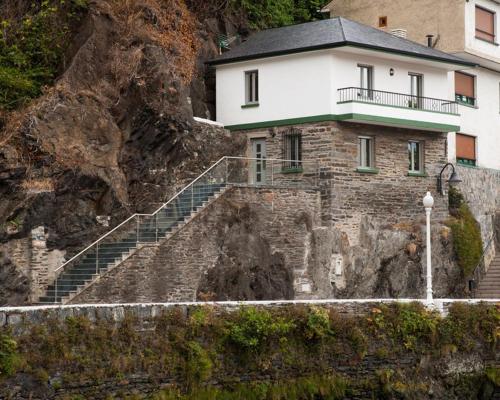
point(485, 24)
point(465, 88)
point(466, 149)
point(292, 149)
point(252, 87)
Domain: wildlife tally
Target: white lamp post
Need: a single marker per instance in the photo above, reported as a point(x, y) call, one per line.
point(428, 203)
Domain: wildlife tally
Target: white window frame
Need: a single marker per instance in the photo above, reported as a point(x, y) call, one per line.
point(366, 88)
point(362, 162)
point(411, 156)
point(252, 87)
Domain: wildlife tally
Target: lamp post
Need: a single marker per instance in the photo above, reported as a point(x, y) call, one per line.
point(454, 179)
point(428, 203)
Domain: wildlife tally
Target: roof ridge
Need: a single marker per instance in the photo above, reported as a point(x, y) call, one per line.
point(341, 27)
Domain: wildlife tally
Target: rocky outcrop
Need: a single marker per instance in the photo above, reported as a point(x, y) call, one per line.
point(115, 135)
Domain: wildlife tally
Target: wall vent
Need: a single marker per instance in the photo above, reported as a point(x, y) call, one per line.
point(402, 33)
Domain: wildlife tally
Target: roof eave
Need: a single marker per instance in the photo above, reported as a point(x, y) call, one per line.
point(336, 45)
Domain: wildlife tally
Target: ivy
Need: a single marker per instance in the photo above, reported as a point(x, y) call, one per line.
point(32, 48)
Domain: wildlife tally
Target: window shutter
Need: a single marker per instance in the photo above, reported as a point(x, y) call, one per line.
point(464, 84)
point(485, 24)
point(466, 147)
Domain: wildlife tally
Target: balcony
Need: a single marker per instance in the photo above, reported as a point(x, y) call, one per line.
point(397, 109)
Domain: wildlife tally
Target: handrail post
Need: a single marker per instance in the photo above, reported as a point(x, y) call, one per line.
point(55, 291)
point(156, 228)
point(97, 259)
point(137, 230)
point(192, 198)
point(227, 171)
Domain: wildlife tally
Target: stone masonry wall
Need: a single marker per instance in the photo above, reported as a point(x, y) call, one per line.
point(391, 195)
point(278, 220)
point(481, 189)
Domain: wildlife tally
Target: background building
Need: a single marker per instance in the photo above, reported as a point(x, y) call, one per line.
point(468, 29)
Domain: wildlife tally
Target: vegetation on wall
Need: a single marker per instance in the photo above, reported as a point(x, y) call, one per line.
point(32, 47)
point(467, 240)
point(284, 353)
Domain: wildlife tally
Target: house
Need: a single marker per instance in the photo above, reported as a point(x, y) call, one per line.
point(468, 29)
point(371, 108)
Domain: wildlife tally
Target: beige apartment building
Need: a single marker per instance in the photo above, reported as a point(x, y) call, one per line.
point(466, 28)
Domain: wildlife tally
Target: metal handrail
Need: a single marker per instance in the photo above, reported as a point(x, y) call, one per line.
point(479, 270)
point(420, 100)
point(168, 202)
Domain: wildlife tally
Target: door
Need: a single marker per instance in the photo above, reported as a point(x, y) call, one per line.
point(259, 167)
point(416, 91)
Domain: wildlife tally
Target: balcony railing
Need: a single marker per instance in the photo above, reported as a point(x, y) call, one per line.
point(400, 100)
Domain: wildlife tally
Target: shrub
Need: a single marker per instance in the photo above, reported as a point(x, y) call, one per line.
point(9, 358)
point(318, 324)
point(32, 48)
point(264, 14)
point(467, 241)
point(199, 364)
point(254, 328)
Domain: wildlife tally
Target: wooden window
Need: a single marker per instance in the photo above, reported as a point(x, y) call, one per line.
point(292, 148)
point(485, 24)
point(382, 22)
point(465, 88)
point(466, 149)
point(252, 87)
point(366, 150)
point(416, 90)
point(415, 156)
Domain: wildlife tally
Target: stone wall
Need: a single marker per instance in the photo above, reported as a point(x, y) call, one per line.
point(261, 236)
point(481, 189)
point(391, 195)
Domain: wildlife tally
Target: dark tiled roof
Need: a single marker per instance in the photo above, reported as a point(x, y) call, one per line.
point(328, 33)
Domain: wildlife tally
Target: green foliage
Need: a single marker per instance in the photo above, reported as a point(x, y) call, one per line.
point(264, 14)
point(205, 345)
point(329, 387)
point(31, 49)
point(199, 364)
point(455, 199)
point(255, 327)
point(467, 241)
point(9, 357)
point(318, 324)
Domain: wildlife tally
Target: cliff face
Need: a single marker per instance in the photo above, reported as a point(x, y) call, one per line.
point(114, 135)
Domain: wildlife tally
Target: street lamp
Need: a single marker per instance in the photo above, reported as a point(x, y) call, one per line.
point(453, 181)
point(428, 203)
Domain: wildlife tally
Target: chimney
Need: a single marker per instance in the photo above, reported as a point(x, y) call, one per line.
point(429, 40)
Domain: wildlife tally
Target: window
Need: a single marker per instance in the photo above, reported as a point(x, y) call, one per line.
point(465, 88)
point(416, 90)
point(365, 81)
point(252, 87)
point(485, 24)
point(415, 157)
point(366, 152)
point(466, 149)
point(292, 148)
point(382, 22)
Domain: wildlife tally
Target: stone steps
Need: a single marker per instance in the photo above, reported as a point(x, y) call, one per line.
point(489, 287)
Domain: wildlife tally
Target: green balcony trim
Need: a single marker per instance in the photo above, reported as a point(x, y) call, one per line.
point(418, 174)
point(401, 107)
point(396, 122)
point(250, 105)
point(365, 170)
point(292, 170)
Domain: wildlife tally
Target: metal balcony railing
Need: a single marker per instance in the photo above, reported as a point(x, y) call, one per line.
point(400, 100)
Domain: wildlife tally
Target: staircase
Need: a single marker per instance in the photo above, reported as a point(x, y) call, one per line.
point(147, 230)
point(140, 230)
point(489, 286)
